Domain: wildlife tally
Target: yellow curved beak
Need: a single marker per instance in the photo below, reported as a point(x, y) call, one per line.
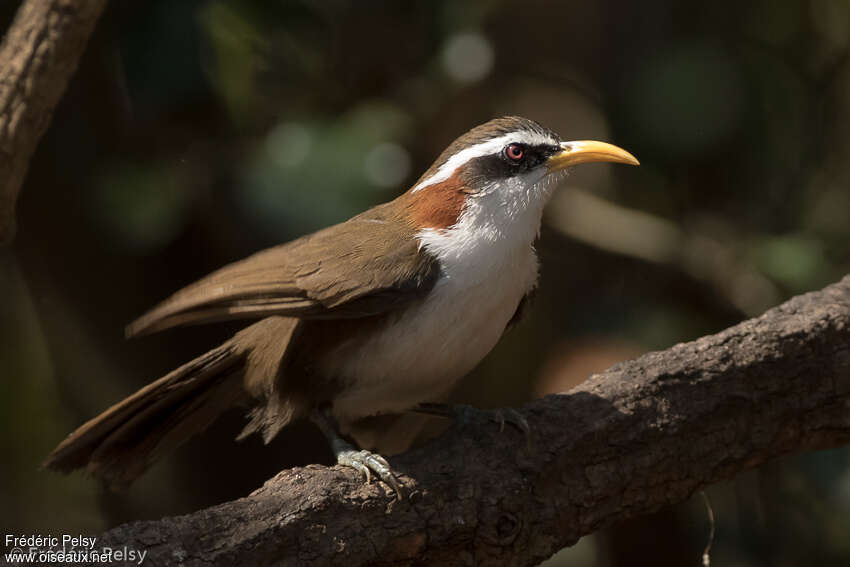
point(588, 151)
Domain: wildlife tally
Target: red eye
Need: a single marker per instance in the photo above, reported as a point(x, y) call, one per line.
point(515, 152)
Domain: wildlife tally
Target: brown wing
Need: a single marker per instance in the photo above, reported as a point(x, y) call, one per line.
point(367, 265)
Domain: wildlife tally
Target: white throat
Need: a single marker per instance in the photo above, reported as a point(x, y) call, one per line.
point(498, 225)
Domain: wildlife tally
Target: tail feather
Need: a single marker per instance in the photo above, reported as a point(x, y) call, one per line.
point(122, 442)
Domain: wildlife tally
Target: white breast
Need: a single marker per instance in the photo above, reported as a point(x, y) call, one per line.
point(487, 266)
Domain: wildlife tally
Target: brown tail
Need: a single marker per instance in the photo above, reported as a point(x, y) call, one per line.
point(122, 442)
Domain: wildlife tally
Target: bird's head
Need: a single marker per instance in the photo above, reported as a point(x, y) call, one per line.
point(500, 173)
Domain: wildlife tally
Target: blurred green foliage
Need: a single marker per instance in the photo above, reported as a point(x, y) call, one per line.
point(138, 205)
point(197, 132)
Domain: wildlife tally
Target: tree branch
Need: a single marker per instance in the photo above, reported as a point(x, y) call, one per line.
point(39, 54)
point(644, 434)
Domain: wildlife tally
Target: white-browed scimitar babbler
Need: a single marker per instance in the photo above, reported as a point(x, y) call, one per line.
point(376, 315)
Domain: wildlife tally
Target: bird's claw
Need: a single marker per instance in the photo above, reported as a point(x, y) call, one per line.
point(367, 463)
point(465, 415)
point(501, 416)
point(362, 461)
point(512, 416)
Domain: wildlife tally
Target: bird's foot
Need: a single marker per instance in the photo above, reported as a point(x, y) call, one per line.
point(367, 463)
point(347, 455)
point(465, 415)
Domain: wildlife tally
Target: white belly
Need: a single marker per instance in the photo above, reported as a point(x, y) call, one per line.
point(487, 264)
point(422, 354)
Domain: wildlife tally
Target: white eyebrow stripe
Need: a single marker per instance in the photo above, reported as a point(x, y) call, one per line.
point(482, 149)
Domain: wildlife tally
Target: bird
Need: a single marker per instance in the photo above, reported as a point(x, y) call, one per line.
point(380, 314)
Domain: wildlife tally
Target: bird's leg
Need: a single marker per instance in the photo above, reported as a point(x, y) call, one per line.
point(465, 414)
point(348, 455)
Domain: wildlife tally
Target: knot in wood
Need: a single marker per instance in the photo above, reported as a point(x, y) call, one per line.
point(504, 530)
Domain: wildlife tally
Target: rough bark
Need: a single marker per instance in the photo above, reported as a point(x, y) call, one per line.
point(39, 54)
point(644, 434)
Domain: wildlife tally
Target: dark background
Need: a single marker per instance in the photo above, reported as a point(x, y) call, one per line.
point(197, 132)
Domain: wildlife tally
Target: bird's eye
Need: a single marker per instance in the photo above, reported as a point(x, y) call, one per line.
point(514, 152)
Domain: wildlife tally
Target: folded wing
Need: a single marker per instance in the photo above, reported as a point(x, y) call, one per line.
point(367, 265)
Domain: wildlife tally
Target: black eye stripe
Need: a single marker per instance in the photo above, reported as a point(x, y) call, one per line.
point(531, 155)
point(499, 166)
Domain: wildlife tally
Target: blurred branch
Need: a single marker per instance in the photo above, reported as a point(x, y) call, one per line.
point(642, 435)
point(606, 225)
point(37, 58)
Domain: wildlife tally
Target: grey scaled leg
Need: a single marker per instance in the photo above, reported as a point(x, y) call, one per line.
point(346, 454)
point(467, 414)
